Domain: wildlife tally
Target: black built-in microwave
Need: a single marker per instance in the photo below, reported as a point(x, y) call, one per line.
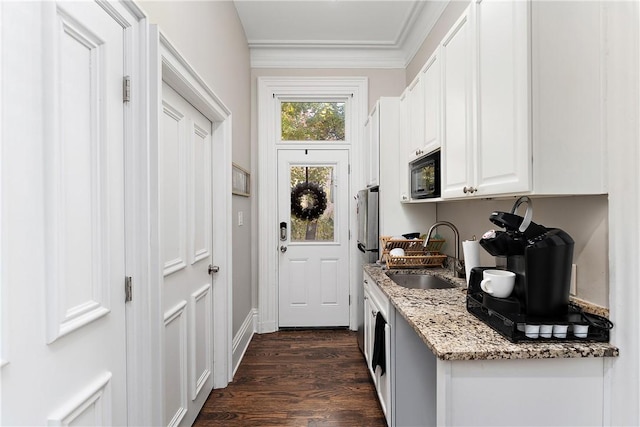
point(425, 176)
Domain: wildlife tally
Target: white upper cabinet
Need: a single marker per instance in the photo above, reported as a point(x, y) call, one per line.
point(415, 101)
point(403, 165)
point(458, 160)
point(432, 88)
point(424, 109)
point(486, 78)
point(570, 63)
point(372, 148)
point(523, 104)
point(503, 137)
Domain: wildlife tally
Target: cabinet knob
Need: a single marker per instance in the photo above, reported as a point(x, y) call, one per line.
point(469, 190)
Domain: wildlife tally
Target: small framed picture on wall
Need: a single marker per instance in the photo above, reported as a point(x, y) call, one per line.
point(240, 181)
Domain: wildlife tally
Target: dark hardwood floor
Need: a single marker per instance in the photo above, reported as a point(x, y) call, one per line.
point(297, 378)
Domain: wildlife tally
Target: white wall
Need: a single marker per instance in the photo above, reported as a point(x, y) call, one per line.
point(210, 36)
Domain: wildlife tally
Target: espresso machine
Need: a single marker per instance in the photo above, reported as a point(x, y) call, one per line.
point(541, 259)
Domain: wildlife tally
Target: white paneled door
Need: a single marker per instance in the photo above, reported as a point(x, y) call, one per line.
point(313, 206)
point(63, 215)
point(186, 251)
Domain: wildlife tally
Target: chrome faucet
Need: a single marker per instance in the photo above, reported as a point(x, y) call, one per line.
point(458, 265)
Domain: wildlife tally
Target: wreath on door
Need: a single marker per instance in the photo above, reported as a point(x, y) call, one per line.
point(308, 201)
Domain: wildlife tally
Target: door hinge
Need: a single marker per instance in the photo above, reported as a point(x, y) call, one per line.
point(349, 168)
point(349, 299)
point(126, 89)
point(128, 289)
point(349, 234)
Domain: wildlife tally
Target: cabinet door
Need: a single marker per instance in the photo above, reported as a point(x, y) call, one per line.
point(415, 98)
point(374, 146)
point(503, 148)
point(432, 88)
point(458, 159)
point(572, 54)
point(366, 150)
point(383, 382)
point(403, 167)
point(369, 326)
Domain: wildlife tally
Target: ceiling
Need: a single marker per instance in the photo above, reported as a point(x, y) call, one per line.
point(336, 33)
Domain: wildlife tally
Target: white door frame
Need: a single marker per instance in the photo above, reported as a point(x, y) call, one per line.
point(158, 59)
point(269, 90)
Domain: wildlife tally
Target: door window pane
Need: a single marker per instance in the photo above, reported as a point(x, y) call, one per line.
point(312, 204)
point(312, 121)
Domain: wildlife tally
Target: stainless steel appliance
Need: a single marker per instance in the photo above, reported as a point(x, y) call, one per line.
point(425, 176)
point(541, 258)
point(367, 214)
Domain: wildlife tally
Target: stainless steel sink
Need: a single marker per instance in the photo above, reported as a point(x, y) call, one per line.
point(419, 281)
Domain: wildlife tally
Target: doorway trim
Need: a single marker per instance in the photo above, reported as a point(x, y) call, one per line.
point(270, 89)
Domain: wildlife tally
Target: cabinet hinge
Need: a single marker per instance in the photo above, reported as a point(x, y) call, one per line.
point(128, 289)
point(126, 89)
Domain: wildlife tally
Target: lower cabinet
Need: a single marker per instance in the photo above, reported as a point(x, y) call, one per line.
point(375, 302)
point(414, 397)
point(428, 391)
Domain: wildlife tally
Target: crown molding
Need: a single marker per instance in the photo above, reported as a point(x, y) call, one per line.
point(326, 57)
point(351, 54)
point(421, 27)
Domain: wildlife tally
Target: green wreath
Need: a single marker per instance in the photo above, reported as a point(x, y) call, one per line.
point(315, 197)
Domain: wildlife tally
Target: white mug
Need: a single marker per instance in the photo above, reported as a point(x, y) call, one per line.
point(498, 283)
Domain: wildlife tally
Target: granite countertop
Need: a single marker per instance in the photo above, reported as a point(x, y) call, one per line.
point(441, 319)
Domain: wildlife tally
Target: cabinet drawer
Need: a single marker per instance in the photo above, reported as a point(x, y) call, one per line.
point(379, 299)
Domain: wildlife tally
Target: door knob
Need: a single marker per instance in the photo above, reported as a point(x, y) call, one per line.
point(213, 269)
point(283, 249)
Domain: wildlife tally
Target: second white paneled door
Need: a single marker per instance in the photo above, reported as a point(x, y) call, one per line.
point(186, 251)
point(313, 278)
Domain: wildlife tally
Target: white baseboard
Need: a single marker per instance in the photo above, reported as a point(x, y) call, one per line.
point(242, 339)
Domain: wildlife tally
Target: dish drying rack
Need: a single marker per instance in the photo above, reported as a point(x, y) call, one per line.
point(415, 254)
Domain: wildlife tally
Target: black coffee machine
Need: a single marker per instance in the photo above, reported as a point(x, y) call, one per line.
point(541, 257)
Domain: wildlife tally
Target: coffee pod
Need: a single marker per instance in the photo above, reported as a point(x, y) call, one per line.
point(532, 330)
point(560, 331)
point(546, 331)
point(581, 331)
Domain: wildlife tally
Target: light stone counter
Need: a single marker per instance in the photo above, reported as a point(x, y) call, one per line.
point(441, 319)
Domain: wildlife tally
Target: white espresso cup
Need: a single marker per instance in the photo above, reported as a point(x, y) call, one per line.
point(498, 283)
